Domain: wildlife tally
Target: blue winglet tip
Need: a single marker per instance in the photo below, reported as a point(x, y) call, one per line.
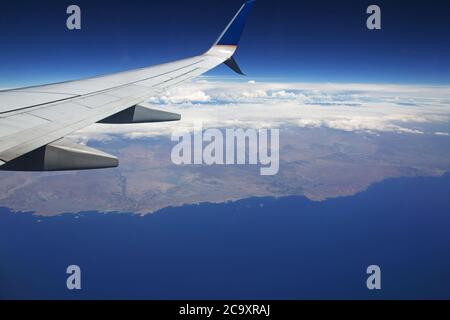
point(232, 34)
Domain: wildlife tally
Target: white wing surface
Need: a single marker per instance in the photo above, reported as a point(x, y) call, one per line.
point(35, 120)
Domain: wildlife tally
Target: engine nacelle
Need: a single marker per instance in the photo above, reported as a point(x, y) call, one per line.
point(62, 155)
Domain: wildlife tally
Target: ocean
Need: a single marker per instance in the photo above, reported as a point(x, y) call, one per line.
point(257, 248)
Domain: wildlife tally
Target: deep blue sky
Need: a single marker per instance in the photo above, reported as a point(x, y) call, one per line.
point(294, 40)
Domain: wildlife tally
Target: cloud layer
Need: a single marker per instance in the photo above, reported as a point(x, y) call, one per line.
point(348, 107)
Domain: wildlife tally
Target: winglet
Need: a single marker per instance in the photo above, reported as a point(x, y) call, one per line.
point(232, 33)
point(227, 43)
point(232, 64)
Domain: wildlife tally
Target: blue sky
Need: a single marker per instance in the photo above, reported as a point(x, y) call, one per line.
point(314, 41)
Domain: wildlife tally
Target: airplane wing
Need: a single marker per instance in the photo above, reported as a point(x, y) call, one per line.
point(35, 120)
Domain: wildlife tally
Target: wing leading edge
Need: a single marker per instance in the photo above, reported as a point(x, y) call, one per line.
point(35, 120)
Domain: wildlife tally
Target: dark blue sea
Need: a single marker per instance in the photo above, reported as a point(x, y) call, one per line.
point(259, 248)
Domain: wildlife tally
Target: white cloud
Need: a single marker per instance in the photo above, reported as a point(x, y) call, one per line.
point(182, 95)
point(348, 107)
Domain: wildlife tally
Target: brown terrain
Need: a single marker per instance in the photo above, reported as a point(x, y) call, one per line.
point(317, 163)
